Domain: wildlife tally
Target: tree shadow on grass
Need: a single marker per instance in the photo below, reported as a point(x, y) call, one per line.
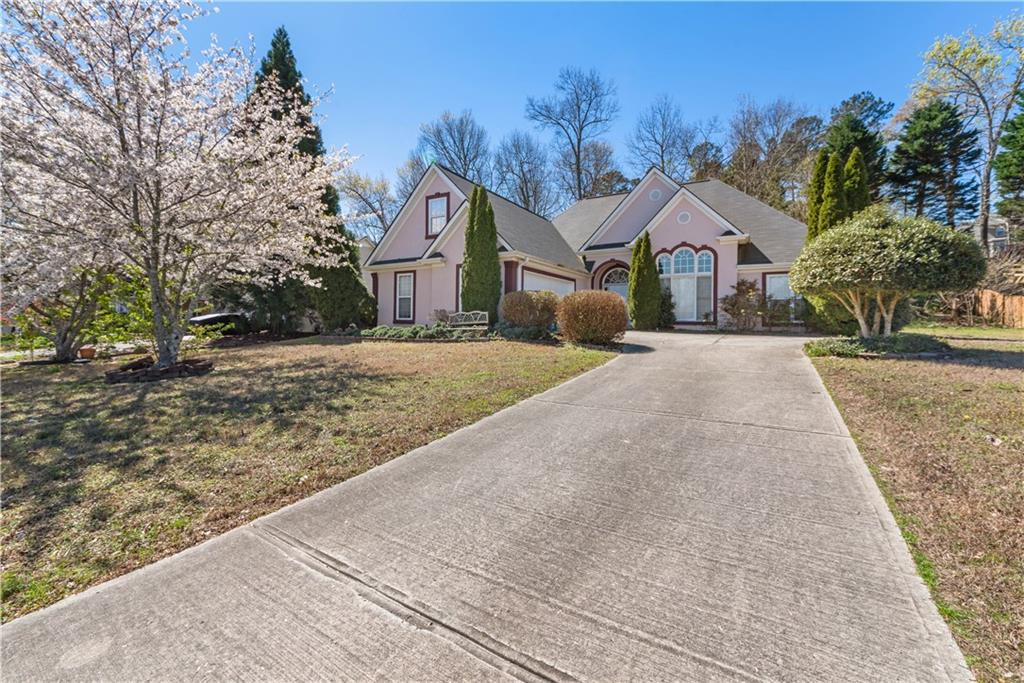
point(57, 432)
point(1009, 358)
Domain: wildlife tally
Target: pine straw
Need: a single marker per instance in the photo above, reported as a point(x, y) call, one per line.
point(100, 479)
point(945, 441)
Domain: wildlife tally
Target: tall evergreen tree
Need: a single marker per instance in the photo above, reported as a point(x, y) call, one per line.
point(1009, 167)
point(815, 188)
point(342, 298)
point(930, 165)
point(855, 183)
point(481, 269)
point(848, 131)
point(833, 197)
point(644, 298)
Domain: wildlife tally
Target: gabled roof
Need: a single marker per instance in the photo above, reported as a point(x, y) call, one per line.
point(774, 236)
point(523, 230)
point(577, 223)
point(653, 173)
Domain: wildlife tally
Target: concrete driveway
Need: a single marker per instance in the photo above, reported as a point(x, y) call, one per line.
point(694, 510)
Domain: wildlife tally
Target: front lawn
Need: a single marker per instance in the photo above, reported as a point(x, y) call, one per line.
point(101, 479)
point(944, 439)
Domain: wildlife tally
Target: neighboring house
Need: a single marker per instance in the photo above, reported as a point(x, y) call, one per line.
point(705, 236)
point(998, 233)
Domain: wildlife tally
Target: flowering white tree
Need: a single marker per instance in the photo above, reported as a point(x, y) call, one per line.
point(121, 149)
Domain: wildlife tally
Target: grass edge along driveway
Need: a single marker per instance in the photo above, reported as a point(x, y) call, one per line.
point(98, 480)
point(944, 440)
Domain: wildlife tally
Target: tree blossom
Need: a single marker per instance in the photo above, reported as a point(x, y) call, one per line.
point(120, 148)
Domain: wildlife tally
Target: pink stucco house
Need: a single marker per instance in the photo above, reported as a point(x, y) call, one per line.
point(705, 236)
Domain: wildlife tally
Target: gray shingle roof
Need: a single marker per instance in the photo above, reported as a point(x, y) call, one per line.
point(524, 230)
point(774, 236)
point(577, 223)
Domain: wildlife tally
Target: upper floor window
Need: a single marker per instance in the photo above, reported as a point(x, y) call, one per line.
point(437, 213)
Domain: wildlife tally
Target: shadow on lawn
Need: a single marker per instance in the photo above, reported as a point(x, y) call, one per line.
point(1010, 358)
point(57, 431)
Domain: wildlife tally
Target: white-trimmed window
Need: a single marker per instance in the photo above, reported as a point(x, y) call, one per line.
point(690, 279)
point(405, 290)
point(437, 214)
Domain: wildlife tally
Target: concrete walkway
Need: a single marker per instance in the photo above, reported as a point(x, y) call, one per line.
point(691, 511)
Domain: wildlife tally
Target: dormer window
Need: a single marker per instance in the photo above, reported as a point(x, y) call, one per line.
point(437, 213)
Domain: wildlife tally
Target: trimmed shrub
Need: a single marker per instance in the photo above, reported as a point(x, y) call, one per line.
point(592, 317)
point(529, 309)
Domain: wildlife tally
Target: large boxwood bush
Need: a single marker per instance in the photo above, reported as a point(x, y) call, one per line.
point(592, 317)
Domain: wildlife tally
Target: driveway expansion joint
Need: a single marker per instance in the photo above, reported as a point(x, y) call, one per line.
point(424, 617)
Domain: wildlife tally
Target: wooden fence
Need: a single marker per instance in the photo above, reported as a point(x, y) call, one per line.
point(999, 309)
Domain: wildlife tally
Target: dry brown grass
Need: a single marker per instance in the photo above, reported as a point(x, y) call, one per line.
point(945, 441)
point(100, 479)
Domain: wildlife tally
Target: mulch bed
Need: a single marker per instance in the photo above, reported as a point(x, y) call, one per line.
point(145, 370)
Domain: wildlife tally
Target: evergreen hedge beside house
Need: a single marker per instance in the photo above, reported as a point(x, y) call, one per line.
point(481, 270)
point(644, 296)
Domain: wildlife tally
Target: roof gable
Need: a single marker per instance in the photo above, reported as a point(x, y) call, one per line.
point(636, 210)
point(405, 237)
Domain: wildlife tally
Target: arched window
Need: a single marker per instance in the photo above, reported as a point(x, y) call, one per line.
point(691, 282)
point(704, 262)
point(616, 280)
point(682, 262)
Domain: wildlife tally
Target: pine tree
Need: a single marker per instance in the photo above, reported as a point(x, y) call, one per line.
point(848, 131)
point(930, 165)
point(855, 183)
point(644, 296)
point(341, 299)
point(815, 188)
point(1009, 167)
point(481, 269)
point(833, 197)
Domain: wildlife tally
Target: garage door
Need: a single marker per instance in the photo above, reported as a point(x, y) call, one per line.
point(538, 281)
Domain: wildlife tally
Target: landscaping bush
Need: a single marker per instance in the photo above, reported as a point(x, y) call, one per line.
point(841, 347)
point(592, 317)
point(529, 309)
point(667, 310)
point(522, 333)
point(849, 347)
point(438, 330)
point(743, 306)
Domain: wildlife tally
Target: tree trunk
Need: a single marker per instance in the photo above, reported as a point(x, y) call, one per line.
point(65, 342)
point(889, 312)
point(986, 193)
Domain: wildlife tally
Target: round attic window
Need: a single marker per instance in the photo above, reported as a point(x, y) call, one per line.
point(683, 218)
point(655, 195)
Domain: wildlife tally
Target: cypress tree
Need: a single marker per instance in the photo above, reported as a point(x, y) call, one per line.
point(481, 269)
point(815, 188)
point(833, 198)
point(855, 183)
point(644, 297)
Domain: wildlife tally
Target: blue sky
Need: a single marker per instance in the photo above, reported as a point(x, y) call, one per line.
point(393, 66)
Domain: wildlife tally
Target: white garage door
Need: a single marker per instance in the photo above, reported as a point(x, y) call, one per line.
point(537, 281)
